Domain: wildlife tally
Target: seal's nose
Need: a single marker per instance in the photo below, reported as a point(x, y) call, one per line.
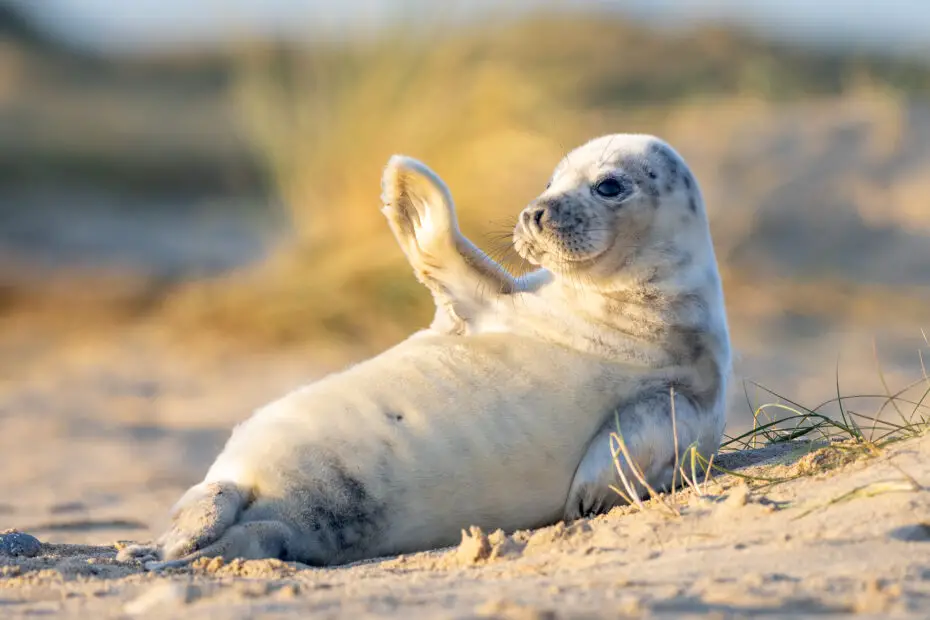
point(534, 217)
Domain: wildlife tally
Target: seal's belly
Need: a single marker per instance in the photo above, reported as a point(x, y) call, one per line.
point(443, 432)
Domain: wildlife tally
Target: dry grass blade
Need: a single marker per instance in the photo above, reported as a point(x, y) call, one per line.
point(619, 448)
point(923, 367)
point(708, 472)
point(692, 481)
point(881, 376)
point(675, 440)
point(709, 466)
point(839, 400)
point(631, 495)
point(872, 489)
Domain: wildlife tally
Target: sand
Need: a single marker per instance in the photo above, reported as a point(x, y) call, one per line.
point(99, 436)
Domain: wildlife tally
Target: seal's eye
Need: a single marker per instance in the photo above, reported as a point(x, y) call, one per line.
point(610, 188)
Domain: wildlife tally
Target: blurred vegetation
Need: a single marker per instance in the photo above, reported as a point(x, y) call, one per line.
point(491, 108)
point(71, 113)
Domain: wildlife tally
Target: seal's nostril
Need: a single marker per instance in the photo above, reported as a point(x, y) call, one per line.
point(533, 218)
point(537, 218)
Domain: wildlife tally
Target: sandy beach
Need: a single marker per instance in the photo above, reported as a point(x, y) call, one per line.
point(189, 233)
point(99, 439)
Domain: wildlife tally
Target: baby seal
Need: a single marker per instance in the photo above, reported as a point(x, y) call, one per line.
point(506, 427)
point(628, 272)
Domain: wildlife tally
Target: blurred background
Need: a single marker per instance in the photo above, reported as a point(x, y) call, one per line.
point(189, 199)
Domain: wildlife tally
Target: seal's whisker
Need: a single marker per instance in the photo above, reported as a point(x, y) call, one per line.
point(566, 154)
point(497, 255)
point(603, 156)
point(522, 268)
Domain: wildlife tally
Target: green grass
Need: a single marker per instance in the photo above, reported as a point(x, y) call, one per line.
point(831, 440)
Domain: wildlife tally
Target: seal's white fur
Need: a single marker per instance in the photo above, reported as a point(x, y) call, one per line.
point(632, 278)
point(504, 428)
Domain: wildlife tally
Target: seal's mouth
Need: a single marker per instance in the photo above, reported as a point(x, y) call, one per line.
point(532, 246)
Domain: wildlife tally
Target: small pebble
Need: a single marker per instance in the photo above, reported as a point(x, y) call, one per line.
point(19, 544)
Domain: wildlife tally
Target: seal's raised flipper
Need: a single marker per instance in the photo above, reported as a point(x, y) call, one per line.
point(419, 209)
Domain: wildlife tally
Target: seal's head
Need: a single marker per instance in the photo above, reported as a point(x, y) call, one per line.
point(620, 204)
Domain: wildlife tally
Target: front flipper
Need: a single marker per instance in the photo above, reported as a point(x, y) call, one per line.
point(591, 493)
point(646, 427)
point(419, 209)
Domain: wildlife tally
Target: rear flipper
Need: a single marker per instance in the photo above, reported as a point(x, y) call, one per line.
point(199, 519)
point(253, 540)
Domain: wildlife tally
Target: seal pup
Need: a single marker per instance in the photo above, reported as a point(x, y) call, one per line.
point(398, 453)
point(627, 271)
